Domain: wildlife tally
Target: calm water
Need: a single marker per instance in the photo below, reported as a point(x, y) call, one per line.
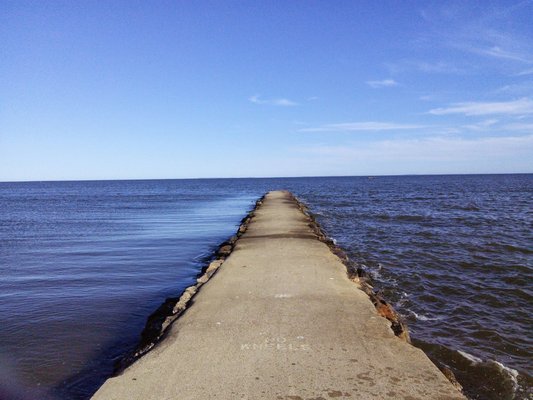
point(82, 264)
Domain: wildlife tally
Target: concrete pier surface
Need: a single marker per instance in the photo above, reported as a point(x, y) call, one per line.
point(280, 320)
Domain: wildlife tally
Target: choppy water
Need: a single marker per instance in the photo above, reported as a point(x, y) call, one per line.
point(82, 264)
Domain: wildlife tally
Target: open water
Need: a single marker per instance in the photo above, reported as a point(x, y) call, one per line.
point(83, 264)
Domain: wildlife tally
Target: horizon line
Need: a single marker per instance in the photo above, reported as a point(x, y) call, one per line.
point(265, 177)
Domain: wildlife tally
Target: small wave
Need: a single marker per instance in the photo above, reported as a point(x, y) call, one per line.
point(497, 247)
point(510, 373)
point(375, 274)
point(518, 249)
point(422, 317)
point(471, 207)
point(404, 298)
point(413, 218)
point(466, 207)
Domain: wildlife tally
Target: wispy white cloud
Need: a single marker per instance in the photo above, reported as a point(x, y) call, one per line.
point(515, 107)
point(382, 83)
point(482, 125)
point(439, 145)
point(525, 72)
point(428, 97)
point(499, 44)
point(498, 52)
point(436, 67)
point(528, 127)
point(479, 32)
point(521, 88)
point(282, 102)
point(428, 67)
point(362, 126)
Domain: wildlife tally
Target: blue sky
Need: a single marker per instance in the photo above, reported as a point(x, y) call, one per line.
point(185, 89)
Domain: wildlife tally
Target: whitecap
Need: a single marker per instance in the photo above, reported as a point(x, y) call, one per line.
point(510, 372)
point(422, 317)
point(400, 303)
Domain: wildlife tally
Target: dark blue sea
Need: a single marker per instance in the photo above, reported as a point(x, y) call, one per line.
point(83, 264)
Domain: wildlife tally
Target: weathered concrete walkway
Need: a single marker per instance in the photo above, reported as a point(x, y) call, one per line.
point(281, 320)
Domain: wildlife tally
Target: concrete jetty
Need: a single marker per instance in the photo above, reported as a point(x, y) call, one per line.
point(280, 319)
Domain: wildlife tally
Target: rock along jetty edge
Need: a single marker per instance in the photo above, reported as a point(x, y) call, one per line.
point(281, 319)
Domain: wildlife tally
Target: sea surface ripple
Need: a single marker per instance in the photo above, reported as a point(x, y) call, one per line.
point(83, 264)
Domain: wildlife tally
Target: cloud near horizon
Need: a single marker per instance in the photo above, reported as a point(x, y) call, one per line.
point(443, 154)
point(282, 102)
point(362, 126)
point(515, 107)
point(519, 127)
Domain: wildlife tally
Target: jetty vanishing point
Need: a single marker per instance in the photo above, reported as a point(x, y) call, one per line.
point(280, 319)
